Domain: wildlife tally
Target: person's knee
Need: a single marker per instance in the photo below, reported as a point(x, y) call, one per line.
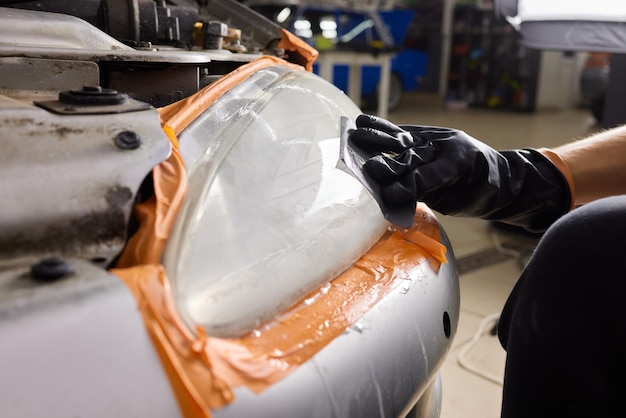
point(596, 229)
point(577, 268)
point(581, 252)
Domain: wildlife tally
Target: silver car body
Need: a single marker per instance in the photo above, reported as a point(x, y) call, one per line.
point(73, 339)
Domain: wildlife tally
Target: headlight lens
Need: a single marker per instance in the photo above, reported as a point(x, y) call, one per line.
point(271, 213)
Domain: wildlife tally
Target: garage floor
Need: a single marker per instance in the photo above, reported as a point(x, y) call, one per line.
point(489, 259)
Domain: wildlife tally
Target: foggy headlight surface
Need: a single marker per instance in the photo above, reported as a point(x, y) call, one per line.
point(271, 212)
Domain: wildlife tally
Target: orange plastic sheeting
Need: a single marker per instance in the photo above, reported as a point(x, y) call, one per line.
point(301, 52)
point(180, 114)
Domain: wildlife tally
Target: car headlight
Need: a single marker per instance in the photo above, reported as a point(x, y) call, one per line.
point(271, 212)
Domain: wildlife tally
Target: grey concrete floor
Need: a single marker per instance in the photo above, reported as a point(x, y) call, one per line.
point(490, 260)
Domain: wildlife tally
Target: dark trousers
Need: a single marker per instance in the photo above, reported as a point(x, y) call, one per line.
point(564, 324)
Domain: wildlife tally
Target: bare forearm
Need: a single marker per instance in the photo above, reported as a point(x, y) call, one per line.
point(597, 164)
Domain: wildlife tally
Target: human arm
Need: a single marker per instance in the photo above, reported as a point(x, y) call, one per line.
point(456, 174)
point(597, 164)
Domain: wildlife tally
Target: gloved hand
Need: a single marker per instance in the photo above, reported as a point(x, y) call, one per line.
point(456, 174)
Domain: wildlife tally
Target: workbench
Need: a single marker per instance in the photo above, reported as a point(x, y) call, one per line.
point(355, 62)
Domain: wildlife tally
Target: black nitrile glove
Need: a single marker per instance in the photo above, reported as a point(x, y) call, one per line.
point(456, 174)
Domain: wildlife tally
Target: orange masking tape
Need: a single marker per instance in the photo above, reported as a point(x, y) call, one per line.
point(425, 233)
point(156, 215)
point(204, 370)
point(180, 114)
point(305, 53)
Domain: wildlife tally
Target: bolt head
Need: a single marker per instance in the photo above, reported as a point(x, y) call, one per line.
point(51, 269)
point(127, 140)
point(215, 28)
point(92, 89)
